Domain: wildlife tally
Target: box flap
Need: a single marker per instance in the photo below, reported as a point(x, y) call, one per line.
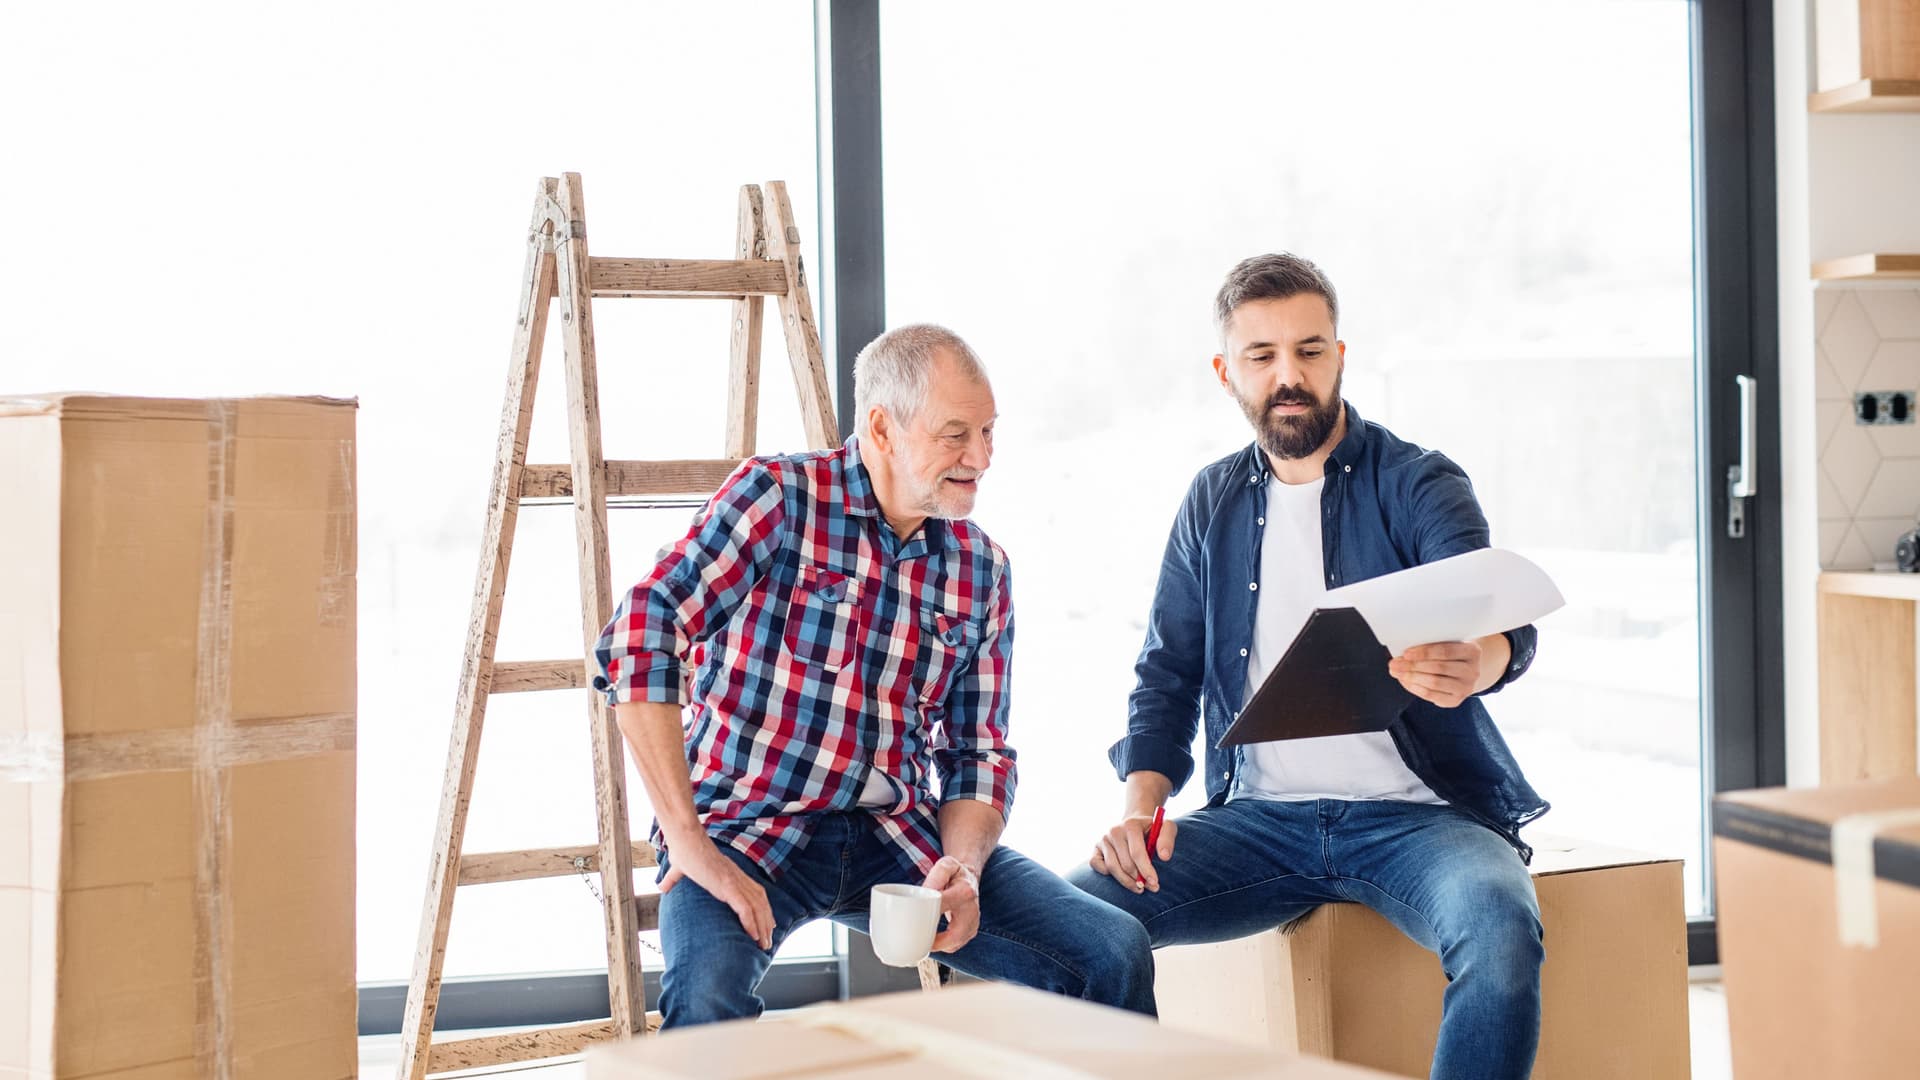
point(71, 403)
point(1555, 854)
point(1799, 822)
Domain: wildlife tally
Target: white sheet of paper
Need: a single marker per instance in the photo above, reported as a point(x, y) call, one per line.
point(1458, 599)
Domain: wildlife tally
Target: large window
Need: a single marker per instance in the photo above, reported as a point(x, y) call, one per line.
point(332, 199)
point(231, 198)
point(1502, 192)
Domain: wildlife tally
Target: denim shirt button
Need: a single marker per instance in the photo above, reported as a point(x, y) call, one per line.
point(1243, 652)
point(1349, 468)
point(1259, 521)
point(1253, 586)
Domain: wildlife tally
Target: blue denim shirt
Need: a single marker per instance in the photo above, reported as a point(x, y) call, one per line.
point(1387, 505)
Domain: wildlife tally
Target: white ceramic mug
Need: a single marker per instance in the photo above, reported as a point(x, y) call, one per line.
point(902, 921)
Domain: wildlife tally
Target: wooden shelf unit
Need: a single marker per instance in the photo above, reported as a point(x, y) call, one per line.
point(1868, 96)
point(1875, 266)
point(1869, 686)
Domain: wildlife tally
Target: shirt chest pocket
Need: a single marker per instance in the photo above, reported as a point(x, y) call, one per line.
point(823, 620)
point(948, 643)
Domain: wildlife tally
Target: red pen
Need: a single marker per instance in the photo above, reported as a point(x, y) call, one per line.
point(1153, 839)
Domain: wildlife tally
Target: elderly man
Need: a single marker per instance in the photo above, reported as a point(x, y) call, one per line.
point(847, 632)
point(1420, 822)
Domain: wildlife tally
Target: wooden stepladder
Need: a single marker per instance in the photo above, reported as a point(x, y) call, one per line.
point(558, 268)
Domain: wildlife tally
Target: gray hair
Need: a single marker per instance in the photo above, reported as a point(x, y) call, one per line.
point(895, 369)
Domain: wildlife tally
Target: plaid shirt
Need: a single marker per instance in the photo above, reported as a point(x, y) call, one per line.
point(822, 648)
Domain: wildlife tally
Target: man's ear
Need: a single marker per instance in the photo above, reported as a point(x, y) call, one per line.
point(1220, 370)
point(880, 429)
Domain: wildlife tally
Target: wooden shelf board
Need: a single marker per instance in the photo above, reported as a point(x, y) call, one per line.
point(1881, 584)
point(1869, 96)
point(1876, 266)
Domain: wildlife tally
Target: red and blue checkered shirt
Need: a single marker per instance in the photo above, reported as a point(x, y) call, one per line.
point(822, 648)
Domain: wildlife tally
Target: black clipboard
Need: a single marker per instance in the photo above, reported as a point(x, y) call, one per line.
point(1332, 680)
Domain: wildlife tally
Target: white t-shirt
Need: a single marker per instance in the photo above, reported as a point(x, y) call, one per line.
point(1292, 583)
point(877, 791)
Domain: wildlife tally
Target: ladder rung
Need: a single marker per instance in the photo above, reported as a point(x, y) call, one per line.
point(519, 1045)
point(540, 863)
point(628, 478)
point(726, 279)
point(517, 676)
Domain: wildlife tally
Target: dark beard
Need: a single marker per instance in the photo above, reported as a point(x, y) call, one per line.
point(1292, 437)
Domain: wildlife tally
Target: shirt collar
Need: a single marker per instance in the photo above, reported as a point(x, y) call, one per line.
point(1345, 453)
point(1353, 443)
point(857, 496)
point(856, 488)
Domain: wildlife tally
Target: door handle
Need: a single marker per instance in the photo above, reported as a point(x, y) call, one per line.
point(1742, 483)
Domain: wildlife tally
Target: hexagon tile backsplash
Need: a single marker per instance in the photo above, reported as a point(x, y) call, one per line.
point(1869, 340)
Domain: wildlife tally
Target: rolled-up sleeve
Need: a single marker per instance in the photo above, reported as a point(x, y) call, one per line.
point(972, 756)
point(692, 590)
point(1163, 712)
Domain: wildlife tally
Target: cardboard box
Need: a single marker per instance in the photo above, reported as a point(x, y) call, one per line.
point(1820, 946)
point(176, 739)
point(974, 1031)
point(1865, 39)
point(1346, 984)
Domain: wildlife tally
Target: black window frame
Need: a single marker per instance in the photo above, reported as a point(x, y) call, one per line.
point(1736, 258)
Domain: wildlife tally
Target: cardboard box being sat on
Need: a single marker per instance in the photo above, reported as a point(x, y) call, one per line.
point(1347, 984)
point(177, 738)
point(1819, 910)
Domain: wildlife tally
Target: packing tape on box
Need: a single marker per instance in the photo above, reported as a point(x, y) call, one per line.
point(969, 1055)
point(213, 702)
point(42, 758)
point(1854, 874)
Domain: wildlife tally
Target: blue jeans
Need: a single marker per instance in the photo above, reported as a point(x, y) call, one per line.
point(1449, 883)
point(1035, 929)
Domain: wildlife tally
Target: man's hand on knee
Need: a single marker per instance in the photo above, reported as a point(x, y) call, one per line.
point(1122, 853)
point(702, 861)
point(959, 898)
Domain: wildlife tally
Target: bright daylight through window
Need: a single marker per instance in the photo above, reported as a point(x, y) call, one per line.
point(1511, 235)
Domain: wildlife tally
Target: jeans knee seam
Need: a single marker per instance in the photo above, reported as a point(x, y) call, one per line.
point(1417, 913)
point(1038, 949)
point(1149, 920)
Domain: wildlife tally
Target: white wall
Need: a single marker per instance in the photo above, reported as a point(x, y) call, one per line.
point(1864, 176)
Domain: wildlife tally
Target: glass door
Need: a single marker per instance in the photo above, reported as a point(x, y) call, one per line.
point(1505, 195)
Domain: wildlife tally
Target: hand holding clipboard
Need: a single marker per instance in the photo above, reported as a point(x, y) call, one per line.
point(1333, 678)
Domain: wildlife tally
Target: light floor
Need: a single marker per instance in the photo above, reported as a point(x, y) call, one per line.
point(1707, 1009)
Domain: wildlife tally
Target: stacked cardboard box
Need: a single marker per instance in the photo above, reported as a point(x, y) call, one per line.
point(176, 738)
point(1819, 909)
